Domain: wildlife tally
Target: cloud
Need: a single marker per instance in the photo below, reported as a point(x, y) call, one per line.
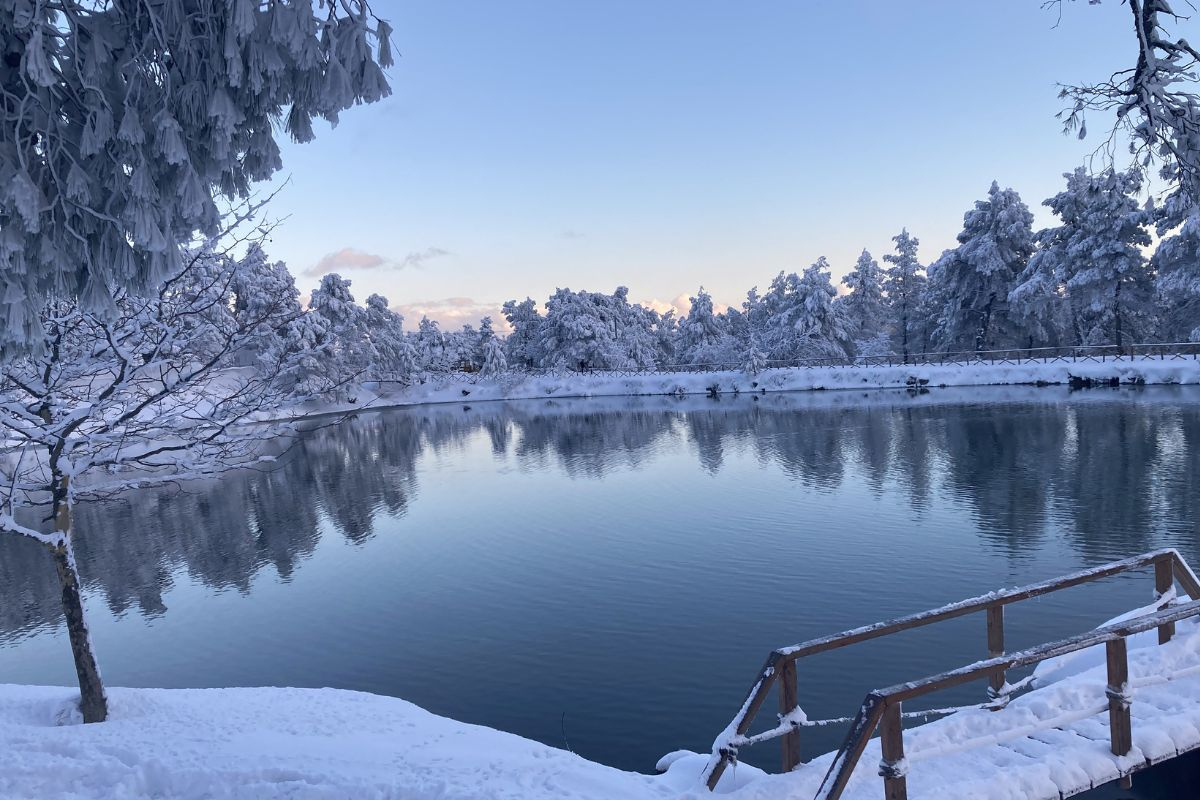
point(680, 304)
point(353, 259)
point(571, 234)
point(452, 313)
point(348, 258)
point(418, 258)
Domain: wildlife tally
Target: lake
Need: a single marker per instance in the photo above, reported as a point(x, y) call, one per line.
point(609, 574)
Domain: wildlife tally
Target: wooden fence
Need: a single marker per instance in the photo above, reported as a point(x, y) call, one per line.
point(882, 708)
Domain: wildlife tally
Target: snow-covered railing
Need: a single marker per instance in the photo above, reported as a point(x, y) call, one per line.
point(1168, 351)
point(877, 709)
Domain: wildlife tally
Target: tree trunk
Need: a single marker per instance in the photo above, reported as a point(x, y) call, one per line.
point(1117, 312)
point(92, 701)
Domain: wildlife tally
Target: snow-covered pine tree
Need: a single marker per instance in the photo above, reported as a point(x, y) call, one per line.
point(122, 121)
point(970, 284)
point(1096, 257)
point(702, 336)
point(345, 355)
point(390, 355)
point(1176, 265)
point(432, 352)
point(259, 284)
point(494, 363)
point(521, 344)
point(821, 328)
point(904, 285)
point(865, 307)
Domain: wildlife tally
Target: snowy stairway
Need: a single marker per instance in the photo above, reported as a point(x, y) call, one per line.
point(1107, 703)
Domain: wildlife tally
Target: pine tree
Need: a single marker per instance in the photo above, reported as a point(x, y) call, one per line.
point(123, 121)
point(1176, 264)
point(1095, 258)
point(820, 326)
point(865, 307)
point(390, 354)
point(702, 336)
point(969, 285)
point(904, 286)
point(521, 345)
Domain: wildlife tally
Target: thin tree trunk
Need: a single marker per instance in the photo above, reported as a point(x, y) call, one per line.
point(92, 701)
point(1117, 312)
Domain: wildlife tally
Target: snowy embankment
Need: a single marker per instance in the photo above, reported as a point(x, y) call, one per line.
point(792, 379)
point(325, 744)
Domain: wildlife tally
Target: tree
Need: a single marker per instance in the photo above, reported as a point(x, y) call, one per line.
point(1151, 102)
point(582, 330)
point(1176, 265)
point(1095, 258)
point(390, 354)
point(904, 285)
point(820, 326)
point(971, 283)
point(340, 327)
point(521, 345)
point(124, 122)
point(702, 335)
point(865, 307)
point(140, 393)
point(494, 363)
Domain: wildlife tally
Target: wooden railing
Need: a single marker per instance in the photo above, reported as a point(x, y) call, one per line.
point(882, 709)
point(1168, 351)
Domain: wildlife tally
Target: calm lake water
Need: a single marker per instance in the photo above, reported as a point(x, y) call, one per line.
point(608, 575)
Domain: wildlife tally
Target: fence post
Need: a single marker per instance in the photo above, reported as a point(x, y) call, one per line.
point(788, 702)
point(995, 641)
point(1164, 580)
point(1120, 731)
point(891, 740)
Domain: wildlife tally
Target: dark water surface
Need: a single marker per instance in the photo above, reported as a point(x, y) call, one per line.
point(611, 573)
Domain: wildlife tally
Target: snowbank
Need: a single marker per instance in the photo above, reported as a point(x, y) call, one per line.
point(525, 387)
point(327, 744)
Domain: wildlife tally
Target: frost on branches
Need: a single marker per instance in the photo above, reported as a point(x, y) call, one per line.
point(972, 282)
point(149, 390)
point(865, 307)
point(905, 287)
point(1095, 260)
point(123, 121)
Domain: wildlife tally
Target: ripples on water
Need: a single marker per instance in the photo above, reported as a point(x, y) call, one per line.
point(627, 563)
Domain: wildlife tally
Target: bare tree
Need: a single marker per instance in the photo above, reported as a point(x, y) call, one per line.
point(149, 392)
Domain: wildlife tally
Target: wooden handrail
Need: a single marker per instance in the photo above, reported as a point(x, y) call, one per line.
point(1169, 567)
point(1109, 635)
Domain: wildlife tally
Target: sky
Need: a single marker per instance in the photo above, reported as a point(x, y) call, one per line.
point(536, 144)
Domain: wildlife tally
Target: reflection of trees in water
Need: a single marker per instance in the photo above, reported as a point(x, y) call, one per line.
point(1001, 462)
point(1112, 470)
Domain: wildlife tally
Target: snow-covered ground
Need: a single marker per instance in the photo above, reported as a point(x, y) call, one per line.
point(520, 387)
point(326, 744)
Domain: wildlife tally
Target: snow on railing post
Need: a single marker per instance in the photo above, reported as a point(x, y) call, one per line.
point(788, 703)
point(1164, 582)
point(995, 641)
point(1120, 729)
point(893, 767)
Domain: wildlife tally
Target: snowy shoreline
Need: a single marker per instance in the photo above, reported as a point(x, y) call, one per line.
point(332, 744)
point(439, 391)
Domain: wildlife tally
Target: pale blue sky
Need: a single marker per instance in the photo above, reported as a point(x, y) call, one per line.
point(665, 144)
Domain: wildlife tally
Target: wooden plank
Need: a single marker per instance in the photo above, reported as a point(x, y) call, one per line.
point(954, 677)
point(995, 641)
point(788, 703)
point(750, 707)
point(1120, 729)
point(847, 757)
point(891, 744)
point(1164, 582)
point(952, 610)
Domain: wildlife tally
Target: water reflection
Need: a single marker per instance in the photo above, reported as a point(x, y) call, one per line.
point(1122, 466)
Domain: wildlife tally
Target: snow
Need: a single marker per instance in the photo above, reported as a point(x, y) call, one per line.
point(322, 744)
point(470, 389)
